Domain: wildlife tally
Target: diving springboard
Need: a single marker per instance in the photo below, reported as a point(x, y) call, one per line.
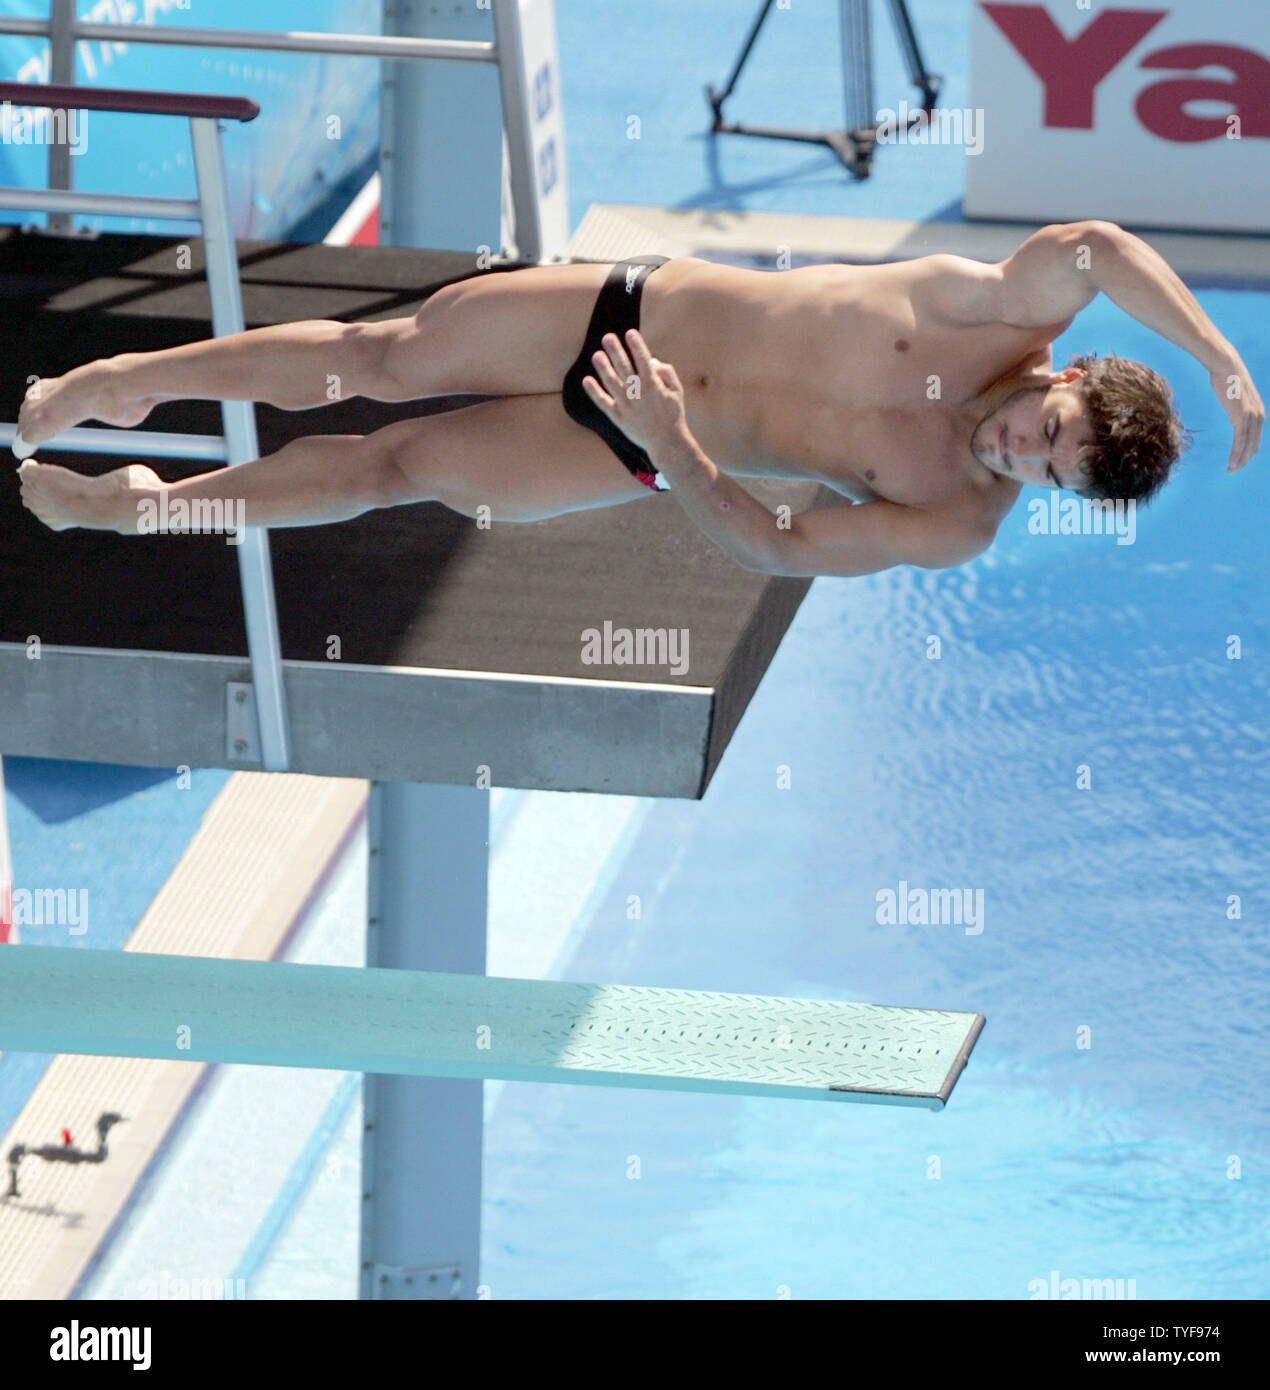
point(416, 1023)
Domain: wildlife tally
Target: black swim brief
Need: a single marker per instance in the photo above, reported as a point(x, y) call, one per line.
point(616, 311)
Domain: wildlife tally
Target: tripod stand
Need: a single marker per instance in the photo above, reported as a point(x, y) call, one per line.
point(854, 144)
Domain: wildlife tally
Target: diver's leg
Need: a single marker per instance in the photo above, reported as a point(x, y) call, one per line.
point(512, 333)
point(521, 457)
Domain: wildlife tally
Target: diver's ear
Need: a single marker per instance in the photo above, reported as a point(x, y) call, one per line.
point(1067, 375)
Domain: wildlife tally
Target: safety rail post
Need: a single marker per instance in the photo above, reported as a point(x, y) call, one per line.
point(62, 18)
point(518, 145)
point(255, 570)
point(524, 39)
point(529, 77)
point(238, 417)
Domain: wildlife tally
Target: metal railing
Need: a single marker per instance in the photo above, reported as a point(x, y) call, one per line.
point(63, 30)
point(211, 209)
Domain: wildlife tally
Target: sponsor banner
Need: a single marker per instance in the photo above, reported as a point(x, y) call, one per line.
point(1152, 114)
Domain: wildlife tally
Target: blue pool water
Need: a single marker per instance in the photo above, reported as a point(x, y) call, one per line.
point(1139, 1156)
point(107, 835)
point(1112, 1123)
point(793, 78)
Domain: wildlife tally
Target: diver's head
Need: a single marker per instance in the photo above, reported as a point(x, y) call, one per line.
point(1104, 427)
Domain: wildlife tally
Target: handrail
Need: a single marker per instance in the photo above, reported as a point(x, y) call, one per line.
point(287, 41)
point(67, 96)
point(264, 645)
point(64, 29)
point(150, 443)
point(61, 202)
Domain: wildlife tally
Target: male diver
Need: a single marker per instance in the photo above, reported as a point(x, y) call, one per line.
point(923, 392)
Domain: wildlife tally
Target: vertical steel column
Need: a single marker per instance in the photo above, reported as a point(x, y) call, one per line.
point(61, 71)
point(440, 156)
point(518, 145)
point(529, 76)
point(421, 1148)
point(239, 419)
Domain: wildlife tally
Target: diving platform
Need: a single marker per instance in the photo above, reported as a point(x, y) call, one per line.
point(415, 646)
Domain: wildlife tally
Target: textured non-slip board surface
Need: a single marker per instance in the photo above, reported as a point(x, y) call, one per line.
point(432, 1024)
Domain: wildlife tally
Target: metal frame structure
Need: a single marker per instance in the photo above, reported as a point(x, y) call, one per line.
point(270, 734)
point(424, 990)
point(63, 30)
point(211, 210)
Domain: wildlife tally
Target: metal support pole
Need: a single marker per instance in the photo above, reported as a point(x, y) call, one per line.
point(421, 1148)
point(61, 70)
point(239, 418)
point(929, 82)
point(529, 76)
point(137, 443)
point(520, 173)
point(439, 176)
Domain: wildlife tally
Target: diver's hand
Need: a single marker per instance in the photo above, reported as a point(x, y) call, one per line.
point(1243, 404)
point(645, 400)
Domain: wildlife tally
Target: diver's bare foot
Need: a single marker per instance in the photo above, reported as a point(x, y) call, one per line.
point(96, 391)
point(62, 499)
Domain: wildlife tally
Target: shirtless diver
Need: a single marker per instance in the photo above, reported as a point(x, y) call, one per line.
point(923, 391)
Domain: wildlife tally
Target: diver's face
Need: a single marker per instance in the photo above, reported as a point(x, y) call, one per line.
point(1035, 436)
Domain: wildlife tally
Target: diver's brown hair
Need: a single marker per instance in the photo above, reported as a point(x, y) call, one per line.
point(1138, 436)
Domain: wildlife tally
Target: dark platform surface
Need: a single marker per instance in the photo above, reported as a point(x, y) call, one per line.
point(414, 587)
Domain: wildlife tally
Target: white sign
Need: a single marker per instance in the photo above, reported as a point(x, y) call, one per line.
point(1148, 112)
